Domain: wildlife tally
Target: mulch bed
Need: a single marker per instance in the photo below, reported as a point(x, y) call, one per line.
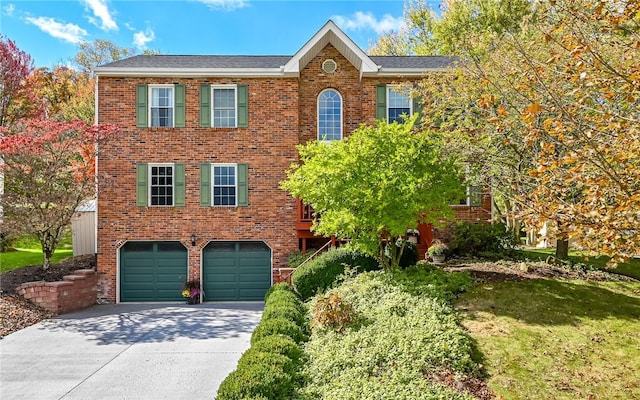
point(17, 313)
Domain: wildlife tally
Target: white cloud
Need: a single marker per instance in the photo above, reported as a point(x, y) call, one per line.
point(365, 21)
point(140, 39)
point(9, 9)
point(69, 32)
point(225, 5)
point(101, 10)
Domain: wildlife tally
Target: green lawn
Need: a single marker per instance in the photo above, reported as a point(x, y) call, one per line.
point(549, 339)
point(30, 253)
point(630, 268)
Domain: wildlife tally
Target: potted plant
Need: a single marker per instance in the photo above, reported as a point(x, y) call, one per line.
point(191, 291)
point(437, 251)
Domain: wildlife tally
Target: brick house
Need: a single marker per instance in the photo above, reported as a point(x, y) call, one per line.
point(192, 188)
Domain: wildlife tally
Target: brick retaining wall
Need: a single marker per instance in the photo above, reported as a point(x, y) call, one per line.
point(73, 293)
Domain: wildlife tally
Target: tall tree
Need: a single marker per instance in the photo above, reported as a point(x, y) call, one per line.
point(16, 99)
point(98, 52)
point(49, 169)
point(67, 94)
point(374, 184)
point(552, 103)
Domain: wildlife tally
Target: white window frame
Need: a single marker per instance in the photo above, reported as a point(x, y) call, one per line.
point(173, 104)
point(173, 184)
point(235, 104)
point(213, 185)
point(318, 115)
point(395, 89)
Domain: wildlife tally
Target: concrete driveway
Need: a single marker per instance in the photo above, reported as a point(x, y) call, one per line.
point(132, 351)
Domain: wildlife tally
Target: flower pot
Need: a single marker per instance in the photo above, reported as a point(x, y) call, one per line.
point(438, 259)
point(194, 299)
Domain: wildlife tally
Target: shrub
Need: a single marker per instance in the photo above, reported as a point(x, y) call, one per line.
point(275, 326)
point(254, 356)
point(333, 312)
point(277, 287)
point(322, 272)
point(476, 239)
point(258, 380)
point(279, 344)
point(286, 310)
point(6, 242)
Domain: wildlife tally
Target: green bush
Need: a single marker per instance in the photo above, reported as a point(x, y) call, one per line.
point(279, 344)
point(266, 379)
point(287, 310)
point(322, 272)
point(275, 326)
point(469, 239)
point(254, 356)
point(277, 287)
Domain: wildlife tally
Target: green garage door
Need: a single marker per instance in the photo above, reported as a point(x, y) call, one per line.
point(152, 271)
point(236, 271)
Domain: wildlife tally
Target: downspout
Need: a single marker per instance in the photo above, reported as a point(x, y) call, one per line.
point(95, 122)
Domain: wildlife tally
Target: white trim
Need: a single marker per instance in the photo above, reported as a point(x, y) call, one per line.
point(150, 101)
point(318, 115)
point(235, 183)
point(193, 72)
point(235, 104)
point(173, 183)
point(336, 37)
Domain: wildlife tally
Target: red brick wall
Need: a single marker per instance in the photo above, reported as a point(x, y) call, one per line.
point(75, 292)
point(267, 145)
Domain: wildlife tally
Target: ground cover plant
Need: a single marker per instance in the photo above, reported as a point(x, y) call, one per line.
point(373, 339)
point(557, 339)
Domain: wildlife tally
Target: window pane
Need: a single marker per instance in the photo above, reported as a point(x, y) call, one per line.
point(224, 185)
point(224, 107)
point(329, 115)
point(162, 106)
point(398, 104)
point(161, 188)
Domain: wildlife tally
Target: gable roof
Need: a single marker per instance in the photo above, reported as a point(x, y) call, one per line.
point(276, 66)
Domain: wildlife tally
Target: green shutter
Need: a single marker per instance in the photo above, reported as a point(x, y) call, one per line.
point(417, 109)
point(475, 196)
point(205, 106)
point(179, 106)
point(243, 185)
point(178, 185)
point(243, 109)
point(141, 106)
point(381, 102)
point(142, 185)
point(205, 184)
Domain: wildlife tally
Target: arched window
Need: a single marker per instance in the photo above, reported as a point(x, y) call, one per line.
point(329, 115)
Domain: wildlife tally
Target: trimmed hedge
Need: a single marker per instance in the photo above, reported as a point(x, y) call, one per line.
point(278, 326)
point(269, 369)
point(323, 272)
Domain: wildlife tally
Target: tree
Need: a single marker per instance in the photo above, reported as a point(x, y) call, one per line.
point(67, 94)
point(16, 99)
point(550, 107)
point(49, 169)
point(98, 52)
point(375, 184)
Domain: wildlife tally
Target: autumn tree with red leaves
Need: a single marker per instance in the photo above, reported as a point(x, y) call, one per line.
point(49, 170)
point(17, 99)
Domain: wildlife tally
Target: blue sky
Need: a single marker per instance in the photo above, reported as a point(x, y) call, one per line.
point(50, 30)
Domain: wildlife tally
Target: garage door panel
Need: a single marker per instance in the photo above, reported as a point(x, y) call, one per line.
point(235, 271)
point(152, 271)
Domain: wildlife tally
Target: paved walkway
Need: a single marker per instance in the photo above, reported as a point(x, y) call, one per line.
point(132, 351)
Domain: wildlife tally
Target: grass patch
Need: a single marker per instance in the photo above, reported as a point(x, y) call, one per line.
point(29, 253)
point(629, 268)
point(547, 339)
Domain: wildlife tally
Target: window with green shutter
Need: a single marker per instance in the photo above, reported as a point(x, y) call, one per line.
point(161, 106)
point(224, 185)
point(224, 106)
point(160, 184)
